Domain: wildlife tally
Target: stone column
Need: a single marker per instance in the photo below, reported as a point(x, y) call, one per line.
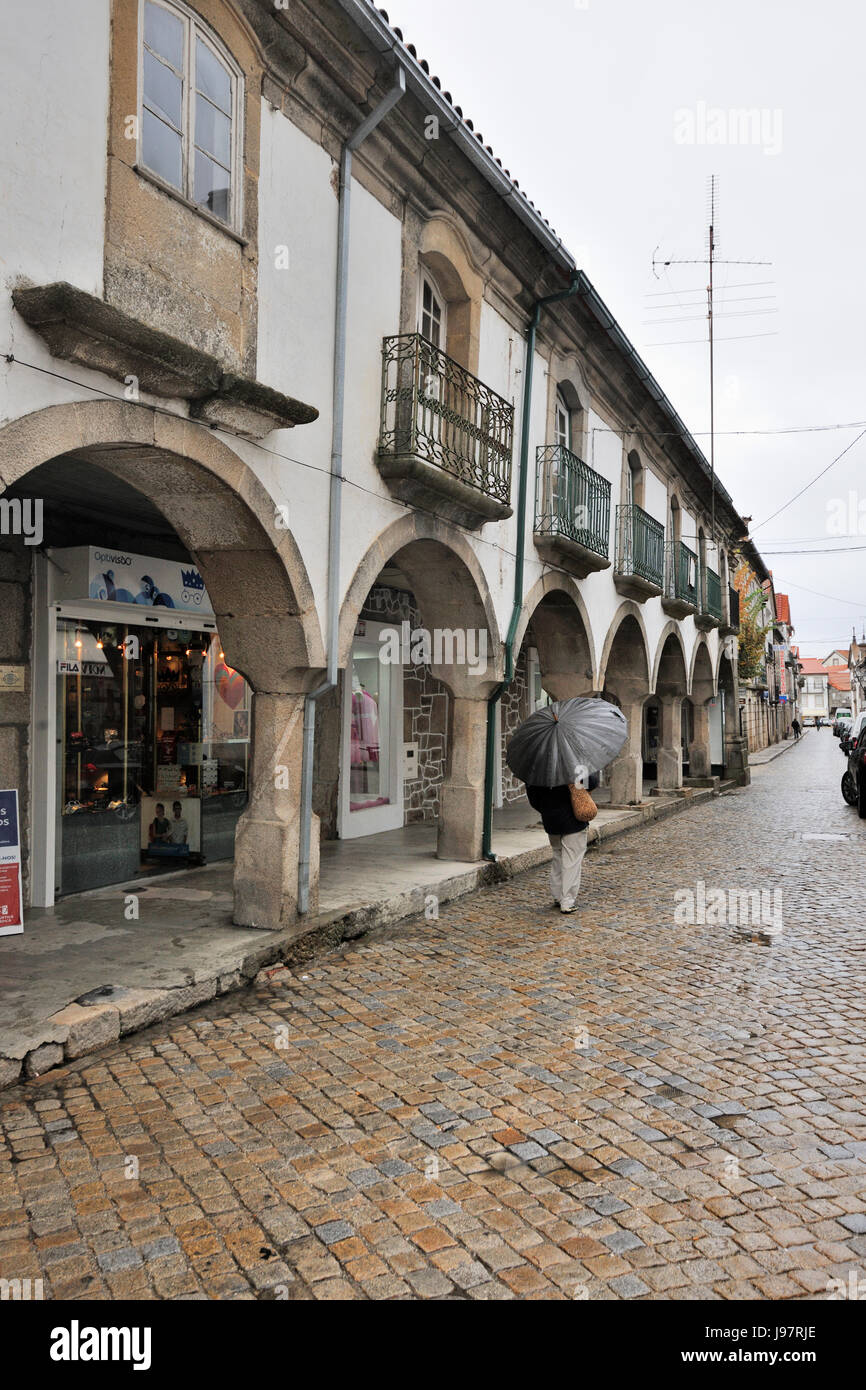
point(670, 753)
point(625, 774)
point(461, 815)
point(266, 841)
point(737, 757)
point(699, 749)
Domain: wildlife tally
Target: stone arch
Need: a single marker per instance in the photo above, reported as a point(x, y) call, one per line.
point(257, 582)
point(444, 250)
point(624, 677)
point(448, 583)
point(219, 508)
point(726, 669)
point(566, 383)
point(702, 683)
point(563, 632)
point(628, 633)
point(670, 656)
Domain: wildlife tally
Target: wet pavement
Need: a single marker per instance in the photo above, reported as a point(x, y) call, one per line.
point(661, 1096)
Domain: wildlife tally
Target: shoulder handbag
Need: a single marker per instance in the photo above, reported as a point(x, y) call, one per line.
point(582, 804)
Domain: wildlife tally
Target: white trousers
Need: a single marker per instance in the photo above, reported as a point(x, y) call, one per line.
point(568, 852)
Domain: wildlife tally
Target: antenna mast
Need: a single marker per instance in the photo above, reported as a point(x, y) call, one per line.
point(712, 262)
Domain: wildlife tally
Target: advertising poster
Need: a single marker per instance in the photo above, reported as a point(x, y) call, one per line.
point(117, 576)
point(11, 906)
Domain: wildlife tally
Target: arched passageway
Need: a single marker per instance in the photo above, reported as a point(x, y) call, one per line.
point(624, 678)
point(663, 712)
point(555, 660)
point(419, 654)
point(125, 488)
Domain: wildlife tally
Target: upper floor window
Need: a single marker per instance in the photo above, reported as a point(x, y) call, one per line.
point(634, 481)
point(431, 311)
point(190, 110)
point(562, 422)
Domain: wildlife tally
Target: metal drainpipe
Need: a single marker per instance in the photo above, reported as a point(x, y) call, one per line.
point(365, 129)
point(522, 481)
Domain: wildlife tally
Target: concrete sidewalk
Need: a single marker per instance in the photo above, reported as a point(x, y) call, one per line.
point(104, 964)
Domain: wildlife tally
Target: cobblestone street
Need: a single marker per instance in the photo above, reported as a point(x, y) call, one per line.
point(501, 1103)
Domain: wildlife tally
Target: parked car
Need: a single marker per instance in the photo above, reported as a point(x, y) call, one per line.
point(852, 733)
point(854, 781)
point(841, 722)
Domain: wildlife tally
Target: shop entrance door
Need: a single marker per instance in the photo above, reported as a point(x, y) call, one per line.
point(371, 778)
point(152, 738)
point(100, 747)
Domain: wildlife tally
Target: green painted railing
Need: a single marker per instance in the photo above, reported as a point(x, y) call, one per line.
point(433, 409)
point(640, 545)
point(571, 499)
point(682, 573)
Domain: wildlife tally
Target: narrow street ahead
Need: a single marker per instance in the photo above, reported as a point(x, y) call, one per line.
point(502, 1102)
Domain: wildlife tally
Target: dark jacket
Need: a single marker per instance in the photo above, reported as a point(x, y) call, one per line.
point(554, 803)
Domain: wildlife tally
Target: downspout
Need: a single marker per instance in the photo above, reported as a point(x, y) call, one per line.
point(522, 483)
point(335, 527)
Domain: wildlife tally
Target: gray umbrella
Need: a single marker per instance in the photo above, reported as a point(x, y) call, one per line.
point(553, 742)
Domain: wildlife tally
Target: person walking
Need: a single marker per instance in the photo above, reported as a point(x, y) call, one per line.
point(568, 840)
point(795, 725)
point(554, 752)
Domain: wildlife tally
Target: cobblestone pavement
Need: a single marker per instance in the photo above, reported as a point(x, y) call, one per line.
point(502, 1103)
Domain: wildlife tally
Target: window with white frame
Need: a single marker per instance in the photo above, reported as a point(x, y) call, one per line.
point(190, 110)
point(431, 311)
point(562, 422)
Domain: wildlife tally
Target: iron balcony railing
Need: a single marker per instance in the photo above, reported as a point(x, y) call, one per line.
point(433, 409)
point(733, 608)
point(640, 545)
point(571, 499)
point(682, 573)
point(712, 595)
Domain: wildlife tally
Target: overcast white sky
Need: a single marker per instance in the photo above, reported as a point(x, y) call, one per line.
point(583, 101)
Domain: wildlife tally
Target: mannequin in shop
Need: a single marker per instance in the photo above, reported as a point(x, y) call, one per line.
point(364, 734)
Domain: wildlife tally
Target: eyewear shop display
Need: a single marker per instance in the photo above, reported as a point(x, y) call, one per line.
point(153, 742)
point(153, 733)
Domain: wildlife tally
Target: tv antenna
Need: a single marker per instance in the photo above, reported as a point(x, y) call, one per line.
point(710, 260)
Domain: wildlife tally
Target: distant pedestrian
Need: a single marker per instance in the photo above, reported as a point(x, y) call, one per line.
point(795, 725)
point(568, 840)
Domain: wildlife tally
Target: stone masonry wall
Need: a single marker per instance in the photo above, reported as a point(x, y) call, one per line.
point(515, 708)
point(425, 708)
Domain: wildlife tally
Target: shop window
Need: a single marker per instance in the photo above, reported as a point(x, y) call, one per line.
point(154, 737)
point(190, 110)
point(371, 777)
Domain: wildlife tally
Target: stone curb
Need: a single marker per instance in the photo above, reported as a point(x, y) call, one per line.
point(82, 1028)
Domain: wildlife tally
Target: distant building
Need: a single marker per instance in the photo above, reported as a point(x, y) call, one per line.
point(814, 696)
point(857, 669)
point(839, 681)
